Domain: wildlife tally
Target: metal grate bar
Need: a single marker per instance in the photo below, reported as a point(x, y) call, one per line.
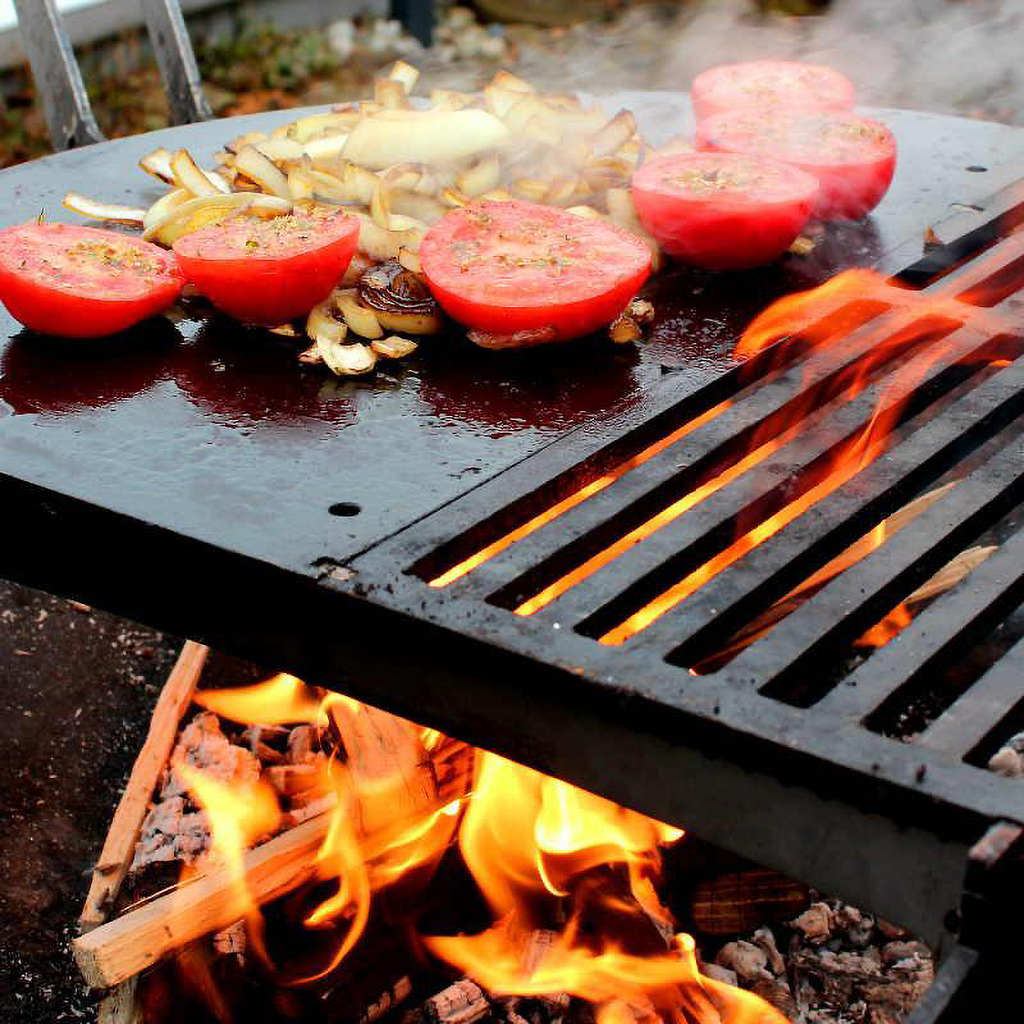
point(866, 591)
point(177, 61)
point(58, 78)
point(710, 525)
point(937, 635)
point(967, 721)
point(768, 572)
point(665, 478)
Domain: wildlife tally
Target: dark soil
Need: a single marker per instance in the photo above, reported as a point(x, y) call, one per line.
point(80, 689)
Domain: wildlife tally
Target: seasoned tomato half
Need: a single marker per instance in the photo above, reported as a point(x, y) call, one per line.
point(79, 282)
point(786, 84)
point(723, 211)
point(518, 267)
point(852, 157)
point(269, 271)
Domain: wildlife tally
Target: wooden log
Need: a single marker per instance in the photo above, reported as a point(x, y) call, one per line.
point(123, 947)
point(119, 847)
point(738, 902)
point(119, 1005)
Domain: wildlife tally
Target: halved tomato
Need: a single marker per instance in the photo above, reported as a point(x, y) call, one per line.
point(723, 211)
point(269, 271)
point(852, 157)
point(79, 282)
point(788, 84)
point(516, 267)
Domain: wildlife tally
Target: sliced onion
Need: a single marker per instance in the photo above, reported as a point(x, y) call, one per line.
point(255, 166)
point(617, 132)
point(506, 80)
point(352, 185)
point(390, 94)
point(326, 151)
point(621, 211)
point(193, 214)
point(359, 265)
point(412, 204)
point(394, 347)
point(163, 206)
point(313, 125)
point(380, 206)
point(96, 210)
point(454, 198)
point(363, 321)
point(404, 73)
point(158, 163)
point(410, 260)
point(382, 245)
point(415, 178)
point(449, 99)
point(481, 177)
point(347, 360)
point(188, 175)
point(409, 323)
point(284, 149)
point(422, 136)
point(301, 184)
point(245, 140)
point(323, 324)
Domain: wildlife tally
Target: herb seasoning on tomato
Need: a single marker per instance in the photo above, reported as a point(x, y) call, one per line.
point(516, 268)
point(79, 282)
point(722, 211)
point(852, 157)
point(789, 85)
point(269, 271)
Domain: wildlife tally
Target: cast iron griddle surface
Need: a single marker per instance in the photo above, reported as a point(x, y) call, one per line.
point(215, 433)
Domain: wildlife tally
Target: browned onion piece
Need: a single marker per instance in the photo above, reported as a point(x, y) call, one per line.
point(390, 288)
point(520, 339)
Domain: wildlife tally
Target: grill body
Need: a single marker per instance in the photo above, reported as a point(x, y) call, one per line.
point(199, 482)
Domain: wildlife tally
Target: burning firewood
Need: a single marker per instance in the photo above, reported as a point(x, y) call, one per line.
point(376, 742)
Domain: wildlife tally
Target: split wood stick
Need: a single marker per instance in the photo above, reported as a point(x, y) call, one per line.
point(119, 847)
point(128, 944)
point(119, 1005)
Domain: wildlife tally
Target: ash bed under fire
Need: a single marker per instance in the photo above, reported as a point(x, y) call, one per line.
point(710, 590)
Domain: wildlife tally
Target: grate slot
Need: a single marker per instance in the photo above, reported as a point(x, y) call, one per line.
point(690, 541)
point(969, 720)
point(862, 595)
point(754, 418)
point(937, 636)
point(771, 570)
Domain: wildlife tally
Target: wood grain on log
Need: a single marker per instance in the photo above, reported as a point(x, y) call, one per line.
point(139, 938)
point(744, 900)
point(119, 847)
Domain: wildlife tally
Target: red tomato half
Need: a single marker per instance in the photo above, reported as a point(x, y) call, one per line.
point(269, 271)
point(852, 157)
point(517, 266)
point(769, 83)
point(723, 211)
point(79, 282)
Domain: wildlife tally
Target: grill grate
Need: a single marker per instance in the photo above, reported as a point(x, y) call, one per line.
point(632, 512)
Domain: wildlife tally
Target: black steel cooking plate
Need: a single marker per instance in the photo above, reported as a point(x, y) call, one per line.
point(192, 476)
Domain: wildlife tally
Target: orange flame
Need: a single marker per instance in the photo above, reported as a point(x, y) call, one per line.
point(533, 844)
point(529, 840)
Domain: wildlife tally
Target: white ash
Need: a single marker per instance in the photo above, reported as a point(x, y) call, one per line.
point(203, 746)
point(833, 964)
point(747, 961)
point(1008, 760)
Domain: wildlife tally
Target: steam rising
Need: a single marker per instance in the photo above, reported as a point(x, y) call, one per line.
point(949, 56)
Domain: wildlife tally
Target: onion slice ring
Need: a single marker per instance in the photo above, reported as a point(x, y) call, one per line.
point(95, 210)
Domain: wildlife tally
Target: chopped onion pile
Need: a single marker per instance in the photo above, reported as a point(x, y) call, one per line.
point(399, 168)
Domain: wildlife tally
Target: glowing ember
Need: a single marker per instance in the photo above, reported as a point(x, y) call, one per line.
point(541, 851)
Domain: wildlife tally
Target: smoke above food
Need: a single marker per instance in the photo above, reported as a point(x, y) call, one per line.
point(943, 56)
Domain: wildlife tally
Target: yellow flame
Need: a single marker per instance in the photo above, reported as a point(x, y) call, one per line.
point(280, 700)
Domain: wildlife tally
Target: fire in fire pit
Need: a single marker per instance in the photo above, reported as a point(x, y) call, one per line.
point(308, 849)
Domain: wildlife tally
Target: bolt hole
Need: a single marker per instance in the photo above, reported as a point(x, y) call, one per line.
point(345, 508)
point(976, 169)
